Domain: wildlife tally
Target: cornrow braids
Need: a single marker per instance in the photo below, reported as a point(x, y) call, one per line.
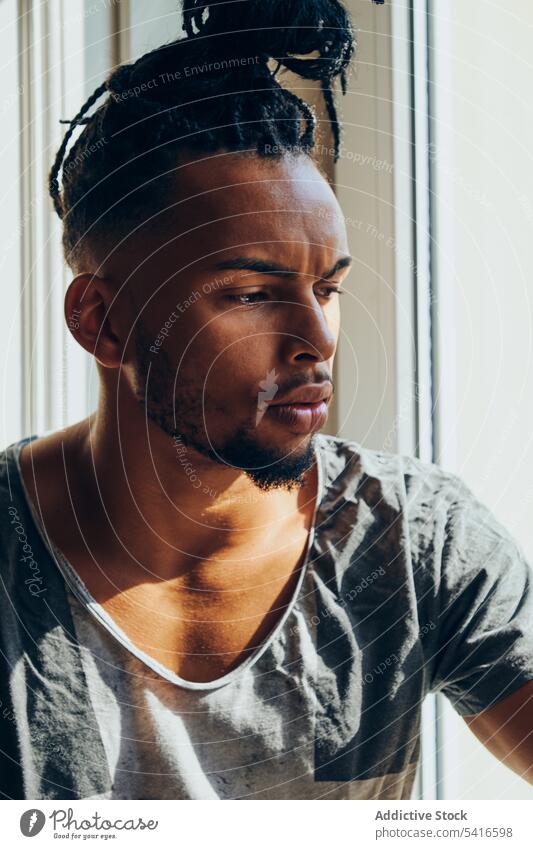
point(211, 90)
point(78, 119)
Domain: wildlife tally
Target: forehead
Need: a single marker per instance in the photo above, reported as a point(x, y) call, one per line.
point(261, 205)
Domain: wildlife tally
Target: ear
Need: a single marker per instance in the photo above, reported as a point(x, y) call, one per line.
point(97, 316)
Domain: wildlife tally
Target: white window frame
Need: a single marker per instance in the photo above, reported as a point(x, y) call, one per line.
point(52, 46)
point(393, 41)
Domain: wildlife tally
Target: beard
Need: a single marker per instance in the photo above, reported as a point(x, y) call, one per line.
point(178, 409)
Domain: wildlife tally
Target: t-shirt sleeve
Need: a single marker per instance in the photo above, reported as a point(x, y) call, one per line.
point(483, 642)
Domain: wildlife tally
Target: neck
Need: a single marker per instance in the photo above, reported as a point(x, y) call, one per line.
point(159, 501)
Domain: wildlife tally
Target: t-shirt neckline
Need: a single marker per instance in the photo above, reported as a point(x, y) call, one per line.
point(80, 590)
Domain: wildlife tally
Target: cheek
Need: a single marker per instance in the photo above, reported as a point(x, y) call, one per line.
point(230, 341)
point(225, 353)
point(183, 332)
point(239, 363)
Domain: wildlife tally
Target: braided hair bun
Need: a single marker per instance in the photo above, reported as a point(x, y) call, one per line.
point(215, 88)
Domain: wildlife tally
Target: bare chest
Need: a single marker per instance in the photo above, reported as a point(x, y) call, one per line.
point(201, 634)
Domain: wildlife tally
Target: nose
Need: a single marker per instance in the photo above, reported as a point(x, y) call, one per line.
point(308, 335)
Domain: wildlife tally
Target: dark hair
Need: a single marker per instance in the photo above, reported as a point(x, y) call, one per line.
point(212, 90)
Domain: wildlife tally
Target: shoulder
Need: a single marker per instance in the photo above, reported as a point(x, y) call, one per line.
point(32, 468)
point(10, 478)
point(16, 528)
point(17, 472)
point(406, 502)
point(376, 473)
point(423, 523)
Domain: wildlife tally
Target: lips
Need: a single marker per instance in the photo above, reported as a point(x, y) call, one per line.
point(301, 417)
point(312, 394)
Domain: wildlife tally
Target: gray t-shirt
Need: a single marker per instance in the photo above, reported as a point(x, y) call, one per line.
point(410, 585)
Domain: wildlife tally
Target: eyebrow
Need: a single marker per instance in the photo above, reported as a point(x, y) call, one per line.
point(246, 263)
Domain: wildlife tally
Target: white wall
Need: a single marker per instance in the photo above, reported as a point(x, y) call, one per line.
point(483, 158)
point(11, 226)
point(53, 56)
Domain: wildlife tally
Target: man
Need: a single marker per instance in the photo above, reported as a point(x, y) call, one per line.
point(203, 596)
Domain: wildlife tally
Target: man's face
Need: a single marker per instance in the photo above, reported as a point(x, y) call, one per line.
point(233, 311)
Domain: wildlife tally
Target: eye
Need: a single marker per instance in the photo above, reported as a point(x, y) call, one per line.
point(331, 290)
point(237, 298)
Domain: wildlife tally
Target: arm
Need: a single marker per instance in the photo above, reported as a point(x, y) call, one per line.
point(506, 730)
